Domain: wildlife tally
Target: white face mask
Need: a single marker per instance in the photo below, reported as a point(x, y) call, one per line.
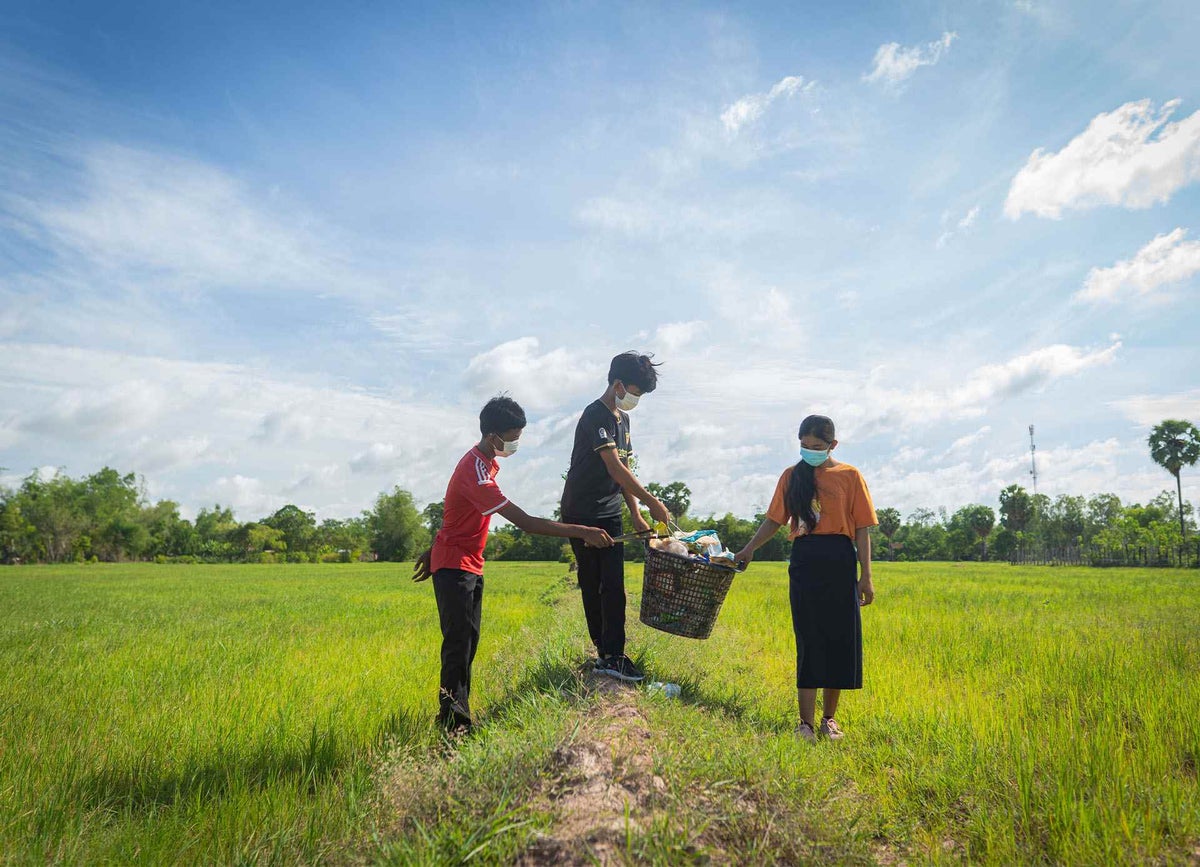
point(628, 401)
point(506, 448)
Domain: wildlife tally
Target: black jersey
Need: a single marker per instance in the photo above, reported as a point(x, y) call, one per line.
point(590, 492)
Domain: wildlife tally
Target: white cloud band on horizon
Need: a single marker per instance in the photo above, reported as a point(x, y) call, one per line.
point(1149, 409)
point(1131, 157)
point(261, 435)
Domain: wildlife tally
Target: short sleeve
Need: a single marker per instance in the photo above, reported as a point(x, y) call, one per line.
point(482, 492)
point(602, 431)
point(862, 510)
point(777, 511)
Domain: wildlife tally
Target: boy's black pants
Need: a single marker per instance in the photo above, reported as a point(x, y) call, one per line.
point(460, 607)
point(602, 583)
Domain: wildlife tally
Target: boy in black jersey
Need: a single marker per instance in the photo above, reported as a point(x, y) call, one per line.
point(598, 480)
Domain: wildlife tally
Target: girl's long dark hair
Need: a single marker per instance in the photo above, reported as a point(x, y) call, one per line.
point(802, 487)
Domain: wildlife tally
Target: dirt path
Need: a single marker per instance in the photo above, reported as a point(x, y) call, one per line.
point(602, 787)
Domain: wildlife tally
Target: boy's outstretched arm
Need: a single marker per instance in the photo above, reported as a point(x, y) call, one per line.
point(632, 487)
point(592, 536)
point(635, 514)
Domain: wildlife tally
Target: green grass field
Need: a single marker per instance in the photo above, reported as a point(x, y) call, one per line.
point(250, 714)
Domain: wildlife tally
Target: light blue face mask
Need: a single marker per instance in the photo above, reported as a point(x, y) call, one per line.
point(814, 457)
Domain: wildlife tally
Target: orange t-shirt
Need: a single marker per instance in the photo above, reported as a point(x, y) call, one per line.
point(843, 502)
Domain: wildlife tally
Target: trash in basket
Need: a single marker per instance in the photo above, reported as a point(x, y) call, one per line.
point(682, 594)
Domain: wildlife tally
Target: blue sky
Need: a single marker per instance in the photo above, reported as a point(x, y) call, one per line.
point(285, 255)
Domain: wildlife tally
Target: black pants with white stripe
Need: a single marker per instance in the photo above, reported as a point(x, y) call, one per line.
point(460, 609)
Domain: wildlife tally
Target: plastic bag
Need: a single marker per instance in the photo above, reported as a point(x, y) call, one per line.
point(700, 541)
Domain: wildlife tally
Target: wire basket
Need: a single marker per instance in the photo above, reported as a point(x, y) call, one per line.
point(682, 596)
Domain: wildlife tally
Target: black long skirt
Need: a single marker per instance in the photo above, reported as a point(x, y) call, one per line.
point(825, 615)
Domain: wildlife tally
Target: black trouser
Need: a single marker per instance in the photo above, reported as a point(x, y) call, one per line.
point(460, 608)
point(602, 583)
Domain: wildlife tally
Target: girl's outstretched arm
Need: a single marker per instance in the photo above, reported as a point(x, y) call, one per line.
point(766, 530)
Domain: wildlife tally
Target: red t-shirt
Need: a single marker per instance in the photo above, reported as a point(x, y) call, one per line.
point(472, 497)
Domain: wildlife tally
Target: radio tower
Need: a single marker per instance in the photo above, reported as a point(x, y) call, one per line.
point(1033, 460)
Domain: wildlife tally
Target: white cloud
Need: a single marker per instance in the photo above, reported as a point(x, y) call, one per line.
point(103, 411)
point(1166, 260)
point(970, 439)
point(1100, 466)
point(963, 225)
point(995, 381)
point(673, 336)
point(735, 299)
point(286, 424)
point(356, 444)
point(247, 496)
point(750, 108)
point(155, 455)
point(534, 379)
point(885, 409)
point(162, 221)
point(176, 419)
point(895, 63)
point(379, 457)
point(683, 432)
point(1148, 410)
point(909, 484)
point(1130, 157)
point(654, 217)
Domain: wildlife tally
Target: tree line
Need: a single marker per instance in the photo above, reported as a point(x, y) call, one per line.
point(106, 516)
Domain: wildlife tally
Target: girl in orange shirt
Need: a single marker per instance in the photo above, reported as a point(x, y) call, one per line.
point(828, 511)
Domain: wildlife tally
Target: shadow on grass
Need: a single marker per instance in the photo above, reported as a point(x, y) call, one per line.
point(152, 783)
point(555, 674)
point(733, 708)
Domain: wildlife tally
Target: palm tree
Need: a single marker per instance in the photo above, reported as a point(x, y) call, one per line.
point(1174, 445)
point(889, 524)
point(980, 519)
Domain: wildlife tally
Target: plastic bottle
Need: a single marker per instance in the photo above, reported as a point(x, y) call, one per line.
point(670, 690)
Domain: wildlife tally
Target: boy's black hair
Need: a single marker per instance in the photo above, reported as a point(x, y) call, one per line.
point(634, 369)
point(500, 414)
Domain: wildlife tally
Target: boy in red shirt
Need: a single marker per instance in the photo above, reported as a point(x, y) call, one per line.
point(456, 559)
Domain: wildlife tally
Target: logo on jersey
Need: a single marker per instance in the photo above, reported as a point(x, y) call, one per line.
point(603, 434)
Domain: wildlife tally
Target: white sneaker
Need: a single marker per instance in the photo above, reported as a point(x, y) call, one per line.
point(830, 729)
point(805, 732)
